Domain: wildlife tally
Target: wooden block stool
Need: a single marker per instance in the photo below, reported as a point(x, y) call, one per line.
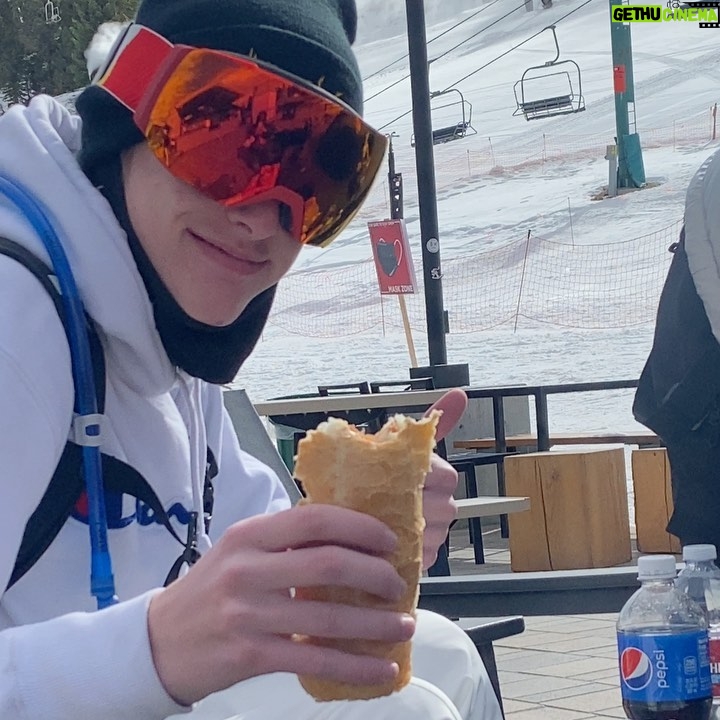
point(653, 501)
point(578, 514)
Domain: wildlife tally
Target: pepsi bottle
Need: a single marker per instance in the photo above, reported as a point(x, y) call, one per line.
point(663, 649)
point(700, 579)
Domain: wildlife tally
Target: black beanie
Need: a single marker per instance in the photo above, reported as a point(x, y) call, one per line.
point(308, 38)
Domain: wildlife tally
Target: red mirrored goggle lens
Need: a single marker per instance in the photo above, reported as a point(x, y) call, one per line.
point(241, 133)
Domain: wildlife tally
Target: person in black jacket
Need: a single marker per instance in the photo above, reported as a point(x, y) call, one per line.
point(679, 392)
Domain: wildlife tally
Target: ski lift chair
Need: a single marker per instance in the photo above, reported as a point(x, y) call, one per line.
point(462, 128)
point(52, 14)
point(560, 103)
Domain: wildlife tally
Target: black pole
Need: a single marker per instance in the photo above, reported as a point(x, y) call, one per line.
point(425, 164)
point(395, 182)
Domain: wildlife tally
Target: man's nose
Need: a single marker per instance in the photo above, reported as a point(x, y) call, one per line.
point(259, 220)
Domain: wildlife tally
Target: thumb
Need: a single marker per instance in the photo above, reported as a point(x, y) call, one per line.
point(452, 405)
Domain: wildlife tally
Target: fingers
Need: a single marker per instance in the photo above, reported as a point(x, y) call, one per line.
point(442, 478)
point(337, 621)
point(314, 524)
point(441, 511)
point(436, 533)
point(305, 659)
point(452, 404)
point(330, 565)
point(245, 630)
point(439, 507)
point(429, 556)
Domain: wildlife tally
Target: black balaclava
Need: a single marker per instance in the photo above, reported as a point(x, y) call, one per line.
point(307, 38)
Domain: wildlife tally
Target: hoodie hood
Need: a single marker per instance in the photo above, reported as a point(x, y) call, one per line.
point(38, 144)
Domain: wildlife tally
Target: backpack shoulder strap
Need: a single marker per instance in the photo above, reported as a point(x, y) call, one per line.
point(37, 267)
point(67, 483)
point(46, 278)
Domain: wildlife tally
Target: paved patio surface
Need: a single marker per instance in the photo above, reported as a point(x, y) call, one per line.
point(563, 667)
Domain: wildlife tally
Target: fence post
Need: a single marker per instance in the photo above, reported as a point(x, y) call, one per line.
point(714, 120)
point(522, 280)
point(492, 153)
point(544, 152)
point(469, 166)
point(572, 233)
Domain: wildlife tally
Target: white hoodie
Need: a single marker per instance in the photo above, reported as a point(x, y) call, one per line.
point(59, 660)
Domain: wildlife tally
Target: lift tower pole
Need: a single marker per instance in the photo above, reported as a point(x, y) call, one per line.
point(631, 171)
point(425, 164)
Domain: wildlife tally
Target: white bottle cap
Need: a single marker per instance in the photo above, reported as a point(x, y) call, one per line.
point(656, 567)
point(699, 553)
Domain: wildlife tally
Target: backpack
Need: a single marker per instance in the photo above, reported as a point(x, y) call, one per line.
point(679, 388)
point(678, 397)
point(66, 489)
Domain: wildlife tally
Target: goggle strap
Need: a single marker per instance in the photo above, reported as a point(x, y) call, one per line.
point(134, 65)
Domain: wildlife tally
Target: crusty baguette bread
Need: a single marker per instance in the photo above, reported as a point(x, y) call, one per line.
point(381, 475)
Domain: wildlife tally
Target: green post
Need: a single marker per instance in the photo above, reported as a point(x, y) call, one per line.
point(285, 441)
point(631, 171)
point(286, 449)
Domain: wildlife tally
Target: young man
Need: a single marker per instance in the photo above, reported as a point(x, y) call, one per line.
point(212, 145)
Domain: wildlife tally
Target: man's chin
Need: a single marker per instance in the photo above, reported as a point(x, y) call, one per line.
point(215, 316)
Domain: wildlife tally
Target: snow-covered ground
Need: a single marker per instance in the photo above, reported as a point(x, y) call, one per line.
point(676, 70)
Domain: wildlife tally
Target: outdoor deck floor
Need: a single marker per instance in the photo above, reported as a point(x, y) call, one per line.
point(562, 667)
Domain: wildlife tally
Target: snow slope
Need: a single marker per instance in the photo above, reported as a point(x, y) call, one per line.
point(676, 66)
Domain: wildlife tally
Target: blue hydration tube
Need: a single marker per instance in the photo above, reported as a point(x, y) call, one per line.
point(87, 422)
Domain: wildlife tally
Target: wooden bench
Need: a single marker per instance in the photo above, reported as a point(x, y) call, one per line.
point(486, 506)
point(653, 501)
point(579, 513)
point(514, 442)
point(473, 509)
point(477, 506)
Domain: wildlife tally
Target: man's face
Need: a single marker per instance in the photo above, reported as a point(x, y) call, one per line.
point(213, 259)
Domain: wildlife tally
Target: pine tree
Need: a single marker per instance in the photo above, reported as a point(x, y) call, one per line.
point(42, 43)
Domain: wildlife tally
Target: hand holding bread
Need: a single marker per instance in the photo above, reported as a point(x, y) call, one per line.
point(381, 475)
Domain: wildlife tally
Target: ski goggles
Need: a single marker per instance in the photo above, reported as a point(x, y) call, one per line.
point(243, 132)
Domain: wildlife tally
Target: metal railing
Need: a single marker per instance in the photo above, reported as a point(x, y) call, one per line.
point(540, 393)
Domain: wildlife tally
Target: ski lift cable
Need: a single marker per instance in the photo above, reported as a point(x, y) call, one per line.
point(490, 62)
point(437, 37)
point(469, 75)
point(472, 37)
point(482, 30)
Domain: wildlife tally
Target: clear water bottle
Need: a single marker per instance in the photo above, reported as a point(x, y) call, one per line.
point(700, 579)
point(663, 648)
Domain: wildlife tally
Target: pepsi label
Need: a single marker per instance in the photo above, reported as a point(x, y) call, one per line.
point(714, 645)
point(664, 668)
